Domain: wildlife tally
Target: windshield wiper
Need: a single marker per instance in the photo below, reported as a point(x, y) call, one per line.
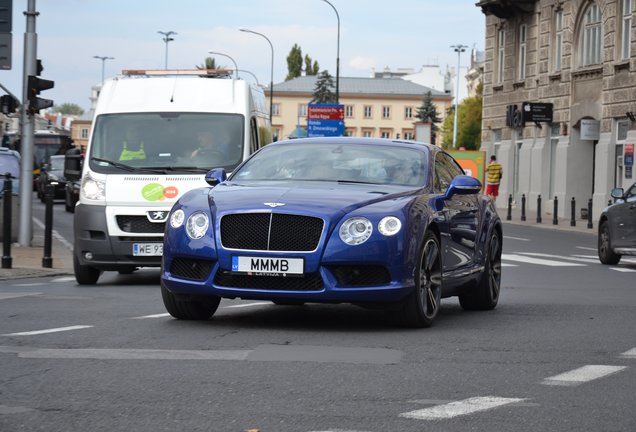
point(188, 169)
point(115, 164)
point(358, 182)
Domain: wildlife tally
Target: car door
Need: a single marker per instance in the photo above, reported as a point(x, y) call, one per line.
point(623, 220)
point(461, 213)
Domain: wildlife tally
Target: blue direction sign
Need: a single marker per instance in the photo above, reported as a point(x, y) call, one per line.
point(325, 128)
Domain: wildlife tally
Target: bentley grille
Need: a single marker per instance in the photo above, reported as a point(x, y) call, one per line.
point(271, 232)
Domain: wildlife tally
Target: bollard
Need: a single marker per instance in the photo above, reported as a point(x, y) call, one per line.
point(47, 261)
point(539, 208)
point(555, 217)
point(609, 202)
point(7, 261)
point(573, 215)
point(509, 215)
point(589, 214)
point(523, 207)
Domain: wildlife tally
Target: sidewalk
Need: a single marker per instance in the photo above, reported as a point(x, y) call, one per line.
point(547, 222)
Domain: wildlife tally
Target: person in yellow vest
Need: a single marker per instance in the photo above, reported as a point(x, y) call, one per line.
point(133, 147)
point(494, 171)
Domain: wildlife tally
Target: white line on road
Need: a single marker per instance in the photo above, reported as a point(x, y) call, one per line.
point(509, 265)
point(161, 315)
point(6, 296)
point(586, 248)
point(582, 375)
point(247, 305)
point(530, 260)
point(515, 238)
point(55, 234)
point(64, 279)
point(459, 408)
point(571, 258)
point(630, 354)
point(53, 330)
point(623, 269)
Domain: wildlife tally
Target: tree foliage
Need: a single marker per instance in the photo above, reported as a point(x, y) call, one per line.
point(209, 63)
point(468, 123)
point(69, 109)
point(323, 93)
point(294, 63)
point(311, 67)
point(427, 112)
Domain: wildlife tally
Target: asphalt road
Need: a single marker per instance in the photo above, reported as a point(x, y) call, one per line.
point(558, 354)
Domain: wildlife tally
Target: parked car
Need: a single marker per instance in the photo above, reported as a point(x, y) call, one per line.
point(373, 222)
point(52, 172)
point(71, 195)
point(617, 227)
point(10, 163)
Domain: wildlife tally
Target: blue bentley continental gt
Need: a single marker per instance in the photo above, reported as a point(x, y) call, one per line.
point(372, 222)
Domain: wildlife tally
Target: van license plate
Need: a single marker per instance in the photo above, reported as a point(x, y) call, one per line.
point(267, 266)
point(147, 249)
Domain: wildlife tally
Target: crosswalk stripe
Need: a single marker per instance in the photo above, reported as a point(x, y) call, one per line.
point(630, 354)
point(53, 330)
point(530, 260)
point(571, 258)
point(623, 269)
point(459, 408)
point(582, 375)
point(509, 265)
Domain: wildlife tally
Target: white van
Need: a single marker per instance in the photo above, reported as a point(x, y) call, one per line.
point(144, 152)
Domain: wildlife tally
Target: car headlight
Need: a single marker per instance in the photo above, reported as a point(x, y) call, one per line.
point(93, 189)
point(389, 225)
point(177, 218)
point(197, 225)
point(356, 230)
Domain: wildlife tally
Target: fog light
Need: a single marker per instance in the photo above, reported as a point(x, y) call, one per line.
point(88, 255)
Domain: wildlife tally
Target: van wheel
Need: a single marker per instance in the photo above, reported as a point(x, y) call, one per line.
point(189, 308)
point(85, 275)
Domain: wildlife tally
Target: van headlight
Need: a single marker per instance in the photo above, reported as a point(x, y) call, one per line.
point(93, 189)
point(356, 230)
point(197, 225)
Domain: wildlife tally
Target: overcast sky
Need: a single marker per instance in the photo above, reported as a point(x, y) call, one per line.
point(373, 34)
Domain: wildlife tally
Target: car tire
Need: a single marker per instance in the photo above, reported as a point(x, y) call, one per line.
point(486, 295)
point(85, 275)
point(605, 253)
point(422, 306)
point(189, 308)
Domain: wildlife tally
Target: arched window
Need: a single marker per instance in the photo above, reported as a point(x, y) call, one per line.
point(591, 37)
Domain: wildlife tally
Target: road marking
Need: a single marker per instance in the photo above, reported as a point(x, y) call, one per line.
point(530, 260)
point(53, 330)
point(247, 305)
point(509, 265)
point(515, 238)
point(586, 248)
point(55, 234)
point(571, 258)
point(64, 279)
point(6, 296)
point(582, 375)
point(630, 354)
point(161, 315)
point(13, 410)
point(459, 408)
point(623, 269)
point(30, 284)
point(125, 354)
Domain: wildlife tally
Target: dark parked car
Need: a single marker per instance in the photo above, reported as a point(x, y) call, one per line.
point(373, 222)
point(10, 163)
point(52, 172)
point(617, 227)
point(71, 195)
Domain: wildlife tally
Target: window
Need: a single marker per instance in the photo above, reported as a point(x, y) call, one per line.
point(302, 110)
point(84, 133)
point(384, 133)
point(409, 135)
point(622, 126)
point(367, 133)
point(501, 40)
point(558, 40)
point(386, 112)
point(408, 112)
point(523, 40)
point(349, 111)
point(275, 109)
point(368, 111)
point(626, 38)
point(591, 38)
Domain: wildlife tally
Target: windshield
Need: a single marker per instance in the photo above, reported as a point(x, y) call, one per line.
point(57, 163)
point(166, 141)
point(375, 164)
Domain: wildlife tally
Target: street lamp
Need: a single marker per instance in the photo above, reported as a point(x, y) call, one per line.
point(271, 74)
point(225, 55)
point(252, 74)
point(338, 53)
point(166, 38)
point(459, 49)
point(103, 59)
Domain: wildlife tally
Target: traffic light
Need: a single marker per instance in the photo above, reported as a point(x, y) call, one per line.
point(35, 86)
point(8, 104)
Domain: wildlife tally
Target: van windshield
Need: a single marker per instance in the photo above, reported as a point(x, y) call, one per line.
point(175, 142)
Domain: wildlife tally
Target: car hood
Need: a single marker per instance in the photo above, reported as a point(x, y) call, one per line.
point(319, 198)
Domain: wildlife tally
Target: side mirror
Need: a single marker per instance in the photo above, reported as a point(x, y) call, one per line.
point(463, 185)
point(617, 193)
point(215, 176)
point(73, 164)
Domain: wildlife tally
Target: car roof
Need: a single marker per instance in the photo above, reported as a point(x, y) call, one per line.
point(8, 152)
point(359, 141)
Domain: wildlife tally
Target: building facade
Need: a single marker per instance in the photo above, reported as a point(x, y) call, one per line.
point(374, 107)
point(577, 57)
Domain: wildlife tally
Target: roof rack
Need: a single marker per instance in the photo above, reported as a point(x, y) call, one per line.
point(217, 73)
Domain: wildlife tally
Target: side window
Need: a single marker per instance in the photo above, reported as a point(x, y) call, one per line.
point(253, 136)
point(631, 194)
point(443, 177)
point(452, 166)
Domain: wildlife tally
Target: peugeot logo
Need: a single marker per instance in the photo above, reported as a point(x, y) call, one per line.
point(274, 204)
point(157, 216)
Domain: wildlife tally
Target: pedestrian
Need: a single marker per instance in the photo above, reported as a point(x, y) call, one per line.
point(494, 171)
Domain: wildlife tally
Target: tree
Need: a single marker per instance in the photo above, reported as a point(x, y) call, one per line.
point(427, 112)
point(294, 63)
point(322, 92)
point(468, 123)
point(69, 109)
point(311, 68)
point(208, 63)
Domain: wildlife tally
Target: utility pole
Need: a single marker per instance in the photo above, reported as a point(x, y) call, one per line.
point(25, 233)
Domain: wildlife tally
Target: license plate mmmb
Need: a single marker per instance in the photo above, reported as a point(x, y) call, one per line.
point(267, 265)
point(147, 249)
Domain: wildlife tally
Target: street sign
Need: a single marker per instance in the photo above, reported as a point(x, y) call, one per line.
point(325, 128)
point(536, 112)
point(325, 112)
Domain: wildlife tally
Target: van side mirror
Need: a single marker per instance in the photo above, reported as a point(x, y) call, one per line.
point(73, 164)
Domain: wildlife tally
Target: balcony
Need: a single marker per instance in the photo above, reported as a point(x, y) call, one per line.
point(506, 9)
